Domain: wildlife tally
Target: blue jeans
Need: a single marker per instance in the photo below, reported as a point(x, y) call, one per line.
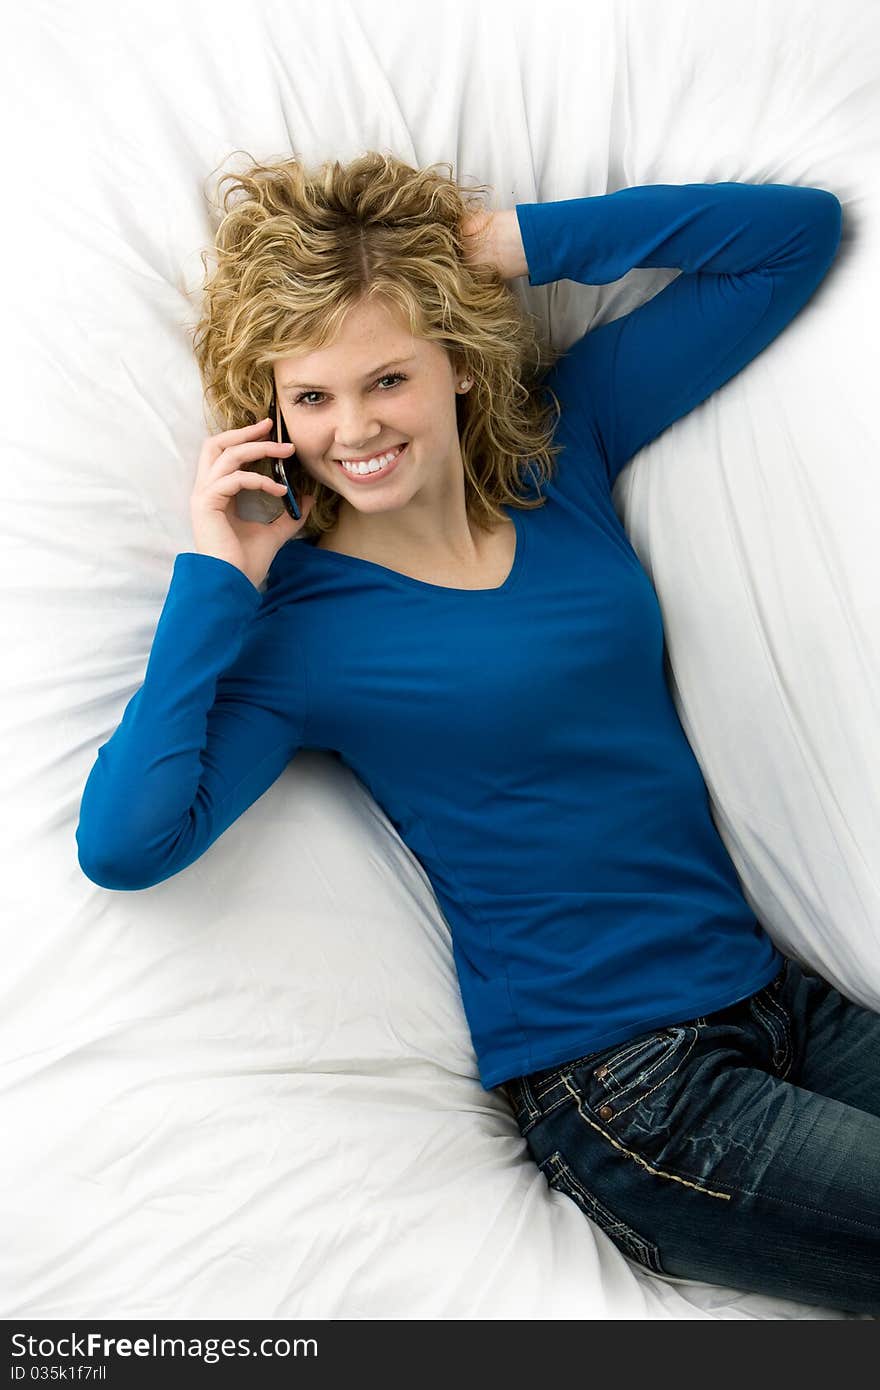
point(741, 1148)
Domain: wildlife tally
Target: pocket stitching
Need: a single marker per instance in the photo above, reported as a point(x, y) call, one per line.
point(676, 1043)
point(664, 1057)
point(771, 1015)
point(645, 1252)
point(549, 1082)
point(620, 1058)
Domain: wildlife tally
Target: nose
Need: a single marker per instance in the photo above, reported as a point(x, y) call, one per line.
point(354, 435)
point(355, 446)
point(354, 450)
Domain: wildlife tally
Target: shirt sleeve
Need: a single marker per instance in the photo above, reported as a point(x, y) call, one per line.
point(218, 717)
point(751, 255)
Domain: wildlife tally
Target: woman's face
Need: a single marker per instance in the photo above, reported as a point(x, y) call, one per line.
point(376, 387)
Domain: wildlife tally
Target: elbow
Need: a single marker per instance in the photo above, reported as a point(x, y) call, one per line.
point(820, 233)
point(829, 220)
point(834, 213)
point(117, 878)
point(108, 871)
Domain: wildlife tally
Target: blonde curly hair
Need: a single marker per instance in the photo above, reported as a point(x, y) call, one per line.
point(301, 247)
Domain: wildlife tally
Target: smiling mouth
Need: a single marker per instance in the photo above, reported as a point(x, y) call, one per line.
point(368, 477)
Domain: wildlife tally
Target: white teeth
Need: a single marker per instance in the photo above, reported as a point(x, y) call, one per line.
point(374, 465)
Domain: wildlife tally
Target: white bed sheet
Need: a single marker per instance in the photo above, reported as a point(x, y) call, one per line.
point(250, 1091)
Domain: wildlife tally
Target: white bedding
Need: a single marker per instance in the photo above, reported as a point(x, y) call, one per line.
point(250, 1091)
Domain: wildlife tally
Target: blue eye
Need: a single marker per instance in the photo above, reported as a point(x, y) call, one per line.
point(301, 398)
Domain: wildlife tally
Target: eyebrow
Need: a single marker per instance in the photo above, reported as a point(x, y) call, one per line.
point(309, 386)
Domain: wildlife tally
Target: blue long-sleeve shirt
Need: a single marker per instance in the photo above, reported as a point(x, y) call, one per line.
point(522, 740)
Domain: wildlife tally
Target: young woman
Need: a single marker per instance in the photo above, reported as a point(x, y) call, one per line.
point(460, 616)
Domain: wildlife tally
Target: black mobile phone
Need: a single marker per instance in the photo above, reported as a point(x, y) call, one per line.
point(254, 505)
point(284, 467)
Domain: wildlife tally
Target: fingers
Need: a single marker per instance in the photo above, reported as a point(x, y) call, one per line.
point(237, 454)
point(231, 483)
point(234, 455)
point(217, 444)
point(476, 229)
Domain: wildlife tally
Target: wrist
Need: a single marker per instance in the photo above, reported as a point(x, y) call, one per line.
point(509, 252)
point(495, 239)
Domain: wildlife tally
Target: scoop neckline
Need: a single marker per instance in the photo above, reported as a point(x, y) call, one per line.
point(411, 582)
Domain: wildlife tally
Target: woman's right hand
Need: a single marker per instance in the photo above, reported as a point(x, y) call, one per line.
point(249, 545)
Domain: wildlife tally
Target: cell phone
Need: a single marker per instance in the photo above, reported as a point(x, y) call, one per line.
point(251, 505)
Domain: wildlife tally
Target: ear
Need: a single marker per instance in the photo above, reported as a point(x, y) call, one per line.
point(459, 371)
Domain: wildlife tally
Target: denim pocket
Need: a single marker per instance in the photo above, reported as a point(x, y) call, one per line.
point(563, 1179)
point(620, 1078)
point(774, 1020)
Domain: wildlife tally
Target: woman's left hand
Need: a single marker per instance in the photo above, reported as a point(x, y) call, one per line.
point(476, 232)
point(493, 238)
